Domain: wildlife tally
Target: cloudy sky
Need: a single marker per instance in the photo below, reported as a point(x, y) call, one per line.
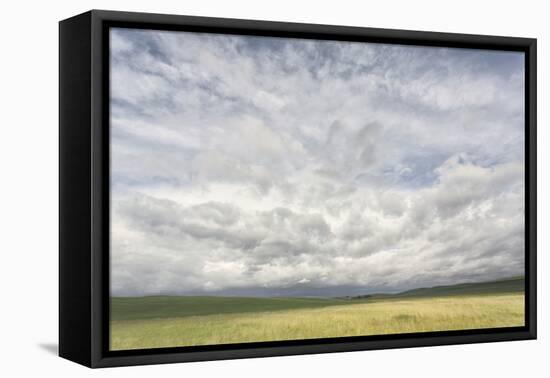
point(264, 166)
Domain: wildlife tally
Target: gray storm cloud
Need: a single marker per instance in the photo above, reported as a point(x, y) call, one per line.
point(266, 166)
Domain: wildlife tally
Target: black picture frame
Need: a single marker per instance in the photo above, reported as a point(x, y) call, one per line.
point(84, 188)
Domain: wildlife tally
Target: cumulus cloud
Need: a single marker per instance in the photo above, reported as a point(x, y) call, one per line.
point(267, 166)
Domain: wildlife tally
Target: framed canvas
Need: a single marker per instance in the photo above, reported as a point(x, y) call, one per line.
point(234, 188)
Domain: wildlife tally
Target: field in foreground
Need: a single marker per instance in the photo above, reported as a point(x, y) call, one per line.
point(155, 322)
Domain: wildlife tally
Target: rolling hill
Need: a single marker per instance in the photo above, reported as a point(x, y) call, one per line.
point(158, 307)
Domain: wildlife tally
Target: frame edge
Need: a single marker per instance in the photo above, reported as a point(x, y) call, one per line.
point(75, 273)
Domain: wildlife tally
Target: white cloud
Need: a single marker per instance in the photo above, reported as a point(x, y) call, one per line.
point(261, 165)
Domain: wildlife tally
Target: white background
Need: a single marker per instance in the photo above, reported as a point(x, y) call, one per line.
point(29, 187)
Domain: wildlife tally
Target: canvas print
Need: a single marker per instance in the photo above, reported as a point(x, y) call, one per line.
point(274, 189)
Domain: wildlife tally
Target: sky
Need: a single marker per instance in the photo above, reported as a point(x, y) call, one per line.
point(261, 166)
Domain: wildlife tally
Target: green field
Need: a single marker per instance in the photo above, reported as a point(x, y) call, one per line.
point(164, 321)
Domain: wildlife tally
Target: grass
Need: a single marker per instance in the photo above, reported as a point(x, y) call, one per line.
point(153, 322)
point(376, 318)
point(134, 308)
